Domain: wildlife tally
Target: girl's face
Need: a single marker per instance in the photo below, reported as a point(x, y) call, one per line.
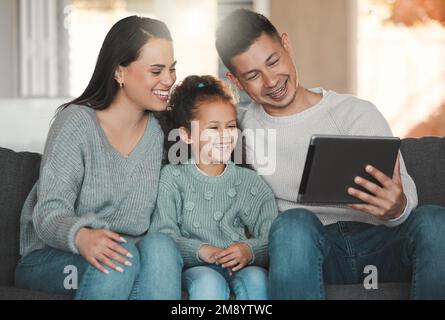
point(214, 132)
point(148, 80)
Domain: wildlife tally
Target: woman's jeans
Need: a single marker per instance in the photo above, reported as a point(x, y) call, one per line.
point(305, 255)
point(213, 282)
point(155, 272)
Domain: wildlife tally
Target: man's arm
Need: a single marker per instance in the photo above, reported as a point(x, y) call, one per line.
point(393, 202)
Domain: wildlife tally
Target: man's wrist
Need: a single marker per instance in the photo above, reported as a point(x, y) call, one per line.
point(404, 204)
point(403, 212)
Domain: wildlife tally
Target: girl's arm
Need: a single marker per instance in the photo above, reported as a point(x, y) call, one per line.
point(258, 223)
point(166, 219)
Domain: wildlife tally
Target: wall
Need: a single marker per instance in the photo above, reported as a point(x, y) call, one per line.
point(321, 32)
point(8, 54)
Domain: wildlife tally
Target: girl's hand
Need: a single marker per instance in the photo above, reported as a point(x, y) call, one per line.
point(207, 252)
point(234, 257)
point(99, 245)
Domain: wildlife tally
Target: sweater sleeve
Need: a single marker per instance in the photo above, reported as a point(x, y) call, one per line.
point(61, 174)
point(166, 219)
point(365, 119)
point(258, 223)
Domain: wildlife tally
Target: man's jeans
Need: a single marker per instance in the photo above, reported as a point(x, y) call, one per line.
point(305, 255)
point(155, 272)
point(212, 282)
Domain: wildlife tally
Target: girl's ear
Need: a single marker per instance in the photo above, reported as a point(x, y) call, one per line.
point(185, 135)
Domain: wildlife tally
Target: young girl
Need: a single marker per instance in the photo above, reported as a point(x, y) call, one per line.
point(207, 203)
point(98, 181)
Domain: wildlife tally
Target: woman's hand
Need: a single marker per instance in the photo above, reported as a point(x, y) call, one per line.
point(100, 246)
point(207, 253)
point(387, 202)
point(234, 257)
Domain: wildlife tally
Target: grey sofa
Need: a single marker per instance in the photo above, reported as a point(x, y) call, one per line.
point(425, 160)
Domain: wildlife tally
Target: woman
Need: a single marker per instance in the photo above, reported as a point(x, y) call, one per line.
point(90, 210)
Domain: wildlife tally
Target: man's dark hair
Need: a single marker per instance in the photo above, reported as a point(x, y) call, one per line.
point(238, 31)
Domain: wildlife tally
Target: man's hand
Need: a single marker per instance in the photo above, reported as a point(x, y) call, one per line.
point(207, 253)
point(234, 257)
point(387, 202)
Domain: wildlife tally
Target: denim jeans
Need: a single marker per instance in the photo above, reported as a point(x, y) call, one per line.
point(305, 255)
point(155, 272)
point(213, 282)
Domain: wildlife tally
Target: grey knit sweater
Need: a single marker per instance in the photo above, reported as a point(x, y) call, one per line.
point(336, 114)
point(195, 209)
point(85, 182)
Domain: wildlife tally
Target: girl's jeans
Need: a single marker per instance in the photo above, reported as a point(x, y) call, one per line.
point(212, 282)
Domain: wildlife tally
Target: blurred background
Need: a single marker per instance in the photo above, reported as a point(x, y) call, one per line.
point(390, 52)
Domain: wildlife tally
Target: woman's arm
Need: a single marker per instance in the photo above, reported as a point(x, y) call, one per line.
point(54, 216)
point(61, 175)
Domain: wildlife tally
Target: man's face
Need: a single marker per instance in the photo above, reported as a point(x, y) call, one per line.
point(266, 72)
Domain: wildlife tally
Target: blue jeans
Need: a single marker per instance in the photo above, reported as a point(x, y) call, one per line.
point(155, 272)
point(305, 255)
point(213, 282)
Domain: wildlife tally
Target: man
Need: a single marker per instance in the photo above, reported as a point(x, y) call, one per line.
point(311, 246)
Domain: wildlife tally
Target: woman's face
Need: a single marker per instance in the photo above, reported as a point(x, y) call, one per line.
point(147, 81)
point(214, 132)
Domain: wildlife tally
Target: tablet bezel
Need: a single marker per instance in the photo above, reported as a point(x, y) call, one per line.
point(390, 144)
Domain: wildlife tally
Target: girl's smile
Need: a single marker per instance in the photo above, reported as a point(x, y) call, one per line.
point(216, 134)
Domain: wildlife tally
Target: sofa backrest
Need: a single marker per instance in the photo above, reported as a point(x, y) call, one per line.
point(18, 173)
point(424, 158)
point(425, 162)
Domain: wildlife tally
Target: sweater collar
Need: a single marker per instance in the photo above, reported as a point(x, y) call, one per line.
point(192, 160)
point(200, 175)
point(261, 114)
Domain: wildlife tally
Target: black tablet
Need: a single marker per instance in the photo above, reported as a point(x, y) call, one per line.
point(333, 162)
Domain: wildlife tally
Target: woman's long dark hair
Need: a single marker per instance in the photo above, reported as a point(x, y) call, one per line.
point(121, 47)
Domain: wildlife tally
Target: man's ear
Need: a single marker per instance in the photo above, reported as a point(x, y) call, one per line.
point(285, 42)
point(185, 135)
point(119, 74)
point(234, 80)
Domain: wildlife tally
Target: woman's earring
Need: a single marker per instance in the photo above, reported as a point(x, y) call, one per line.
point(121, 84)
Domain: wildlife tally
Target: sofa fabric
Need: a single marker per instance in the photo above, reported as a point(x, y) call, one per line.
point(425, 162)
point(18, 173)
point(12, 293)
point(424, 158)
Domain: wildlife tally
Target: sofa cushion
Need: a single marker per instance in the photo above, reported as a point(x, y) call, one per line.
point(385, 291)
point(425, 162)
point(18, 173)
point(11, 293)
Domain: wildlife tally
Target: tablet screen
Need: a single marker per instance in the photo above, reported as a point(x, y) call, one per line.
point(333, 162)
